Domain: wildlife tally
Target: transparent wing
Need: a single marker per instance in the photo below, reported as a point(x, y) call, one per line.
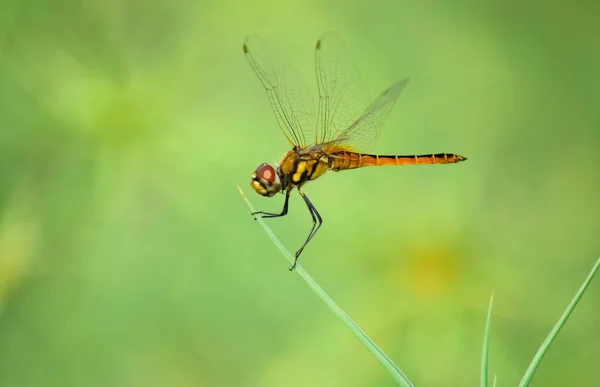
point(346, 117)
point(342, 95)
point(363, 134)
point(287, 91)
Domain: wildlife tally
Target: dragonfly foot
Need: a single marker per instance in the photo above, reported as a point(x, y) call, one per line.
point(296, 259)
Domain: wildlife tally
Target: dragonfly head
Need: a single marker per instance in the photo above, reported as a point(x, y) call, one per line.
point(265, 180)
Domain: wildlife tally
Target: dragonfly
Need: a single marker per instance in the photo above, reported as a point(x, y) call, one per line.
point(338, 133)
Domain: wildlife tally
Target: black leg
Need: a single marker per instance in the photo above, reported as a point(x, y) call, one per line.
point(283, 212)
point(317, 222)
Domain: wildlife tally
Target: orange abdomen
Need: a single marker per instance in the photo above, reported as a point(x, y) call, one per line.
point(351, 160)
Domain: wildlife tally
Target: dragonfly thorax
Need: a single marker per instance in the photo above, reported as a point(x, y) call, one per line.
point(265, 180)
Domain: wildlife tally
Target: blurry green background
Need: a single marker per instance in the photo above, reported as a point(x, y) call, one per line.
point(128, 257)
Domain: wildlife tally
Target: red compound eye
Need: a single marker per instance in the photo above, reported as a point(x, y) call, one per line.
point(266, 172)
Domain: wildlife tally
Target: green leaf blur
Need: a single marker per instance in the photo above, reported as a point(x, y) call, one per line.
point(127, 257)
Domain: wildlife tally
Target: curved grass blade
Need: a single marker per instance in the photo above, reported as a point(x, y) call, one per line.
point(554, 332)
point(381, 357)
point(486, 346)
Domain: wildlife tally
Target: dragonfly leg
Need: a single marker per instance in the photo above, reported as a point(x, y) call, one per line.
point(317, 222)
point(283, 212)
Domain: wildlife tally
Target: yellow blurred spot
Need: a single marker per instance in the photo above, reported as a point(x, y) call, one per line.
point(18, 237)
point(432, 271)
point(116, 112)
point(123, 114)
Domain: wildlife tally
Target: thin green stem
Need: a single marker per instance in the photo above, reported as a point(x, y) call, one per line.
point(486, 345)
point(383, 359)
point(554, 332)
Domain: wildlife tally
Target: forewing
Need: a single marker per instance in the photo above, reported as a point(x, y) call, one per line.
point(342, 95)
point(287, 90)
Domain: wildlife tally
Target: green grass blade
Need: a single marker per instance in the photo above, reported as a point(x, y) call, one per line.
point(494, 383)
point(554, 332)
point(383, 359)
point(486, 345)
